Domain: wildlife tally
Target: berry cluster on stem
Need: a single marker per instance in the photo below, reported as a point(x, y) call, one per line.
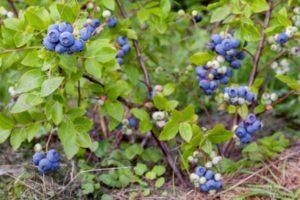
point(247, 128)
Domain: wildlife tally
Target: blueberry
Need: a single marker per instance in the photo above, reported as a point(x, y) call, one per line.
point(204, 188)
point(204, 84)
point(122, 40)
point(53, 35)
point(250, 97)
point(85, 33)
point(224, 80)
point(246, 139)
point(242, 92)
point(198, 18)
point(282, 38)
point(257, 125)
point(232, 52)
point(210, 45)
point(133, 122)
point(200, 171)
point(37, 157)
point(53, 27)
point(220, 49)
point(241, 55)
point(66, 39)
point(210, 184)
point(235, 43)
point(235, 64)
point(60, 48)
point(120, 53)
point(240, 132)
point(226, 44)
point(96, 23)
point(217, 185)
point(251, 118)
point(209, 174)
point(65, 27)
point(112, 22)
point(44, 166)
point(77, 46)
point(48, 45)
point(228, 72)
point(53, 155)
point(213, 85)
point(251, 129)
point(216, 39)
point(126, 48)
point(55, 166)
point(229, 58)
point(120, 126)
point(232, 92)
point(120, 61)
point(90, 28)
point(208, 92)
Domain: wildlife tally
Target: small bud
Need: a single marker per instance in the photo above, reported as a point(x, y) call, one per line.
point(38, 147)
point(218, 177)
point(128, 132)
point(194, 13)
point(193, 177)
point(125, 122)
point(212, 192)
point(158, 88)
point(10, 14)
point(202, 180)
point(196, 153)
point(241, 100)
point(100, 102)
point(216, 160)
point(266, 96)
point(210, 76)
point(106, 14)
point(208, 165)
point(220, 59)
point(89, 21)
point(190, 159)
point(274, 97)
point(274, 65)
point(181, 12)
point(90, 6)
point(213, 154)
point(160, 124)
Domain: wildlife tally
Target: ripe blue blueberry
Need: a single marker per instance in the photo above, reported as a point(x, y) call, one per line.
point(48, 45)
point(224, 80)
point(60, 48)
point(251, 129)
point(235, 64)
point(213, 85)
point(241, 55)
point(133, 122)
point(126, 48)
point(204, 188)
point(120, 53)
point(208, 92)
point(122, 40)
point(53, 35)
point(77, 46)
point(37, 157)
point(200, 171)
point(232, 92)
point(282, 38)
point(204, 84)
point(242, 91)
point(53, 155)
point(235, 43)
point(44, 166)
point(229, 58)
point(85, 33)
point(216, 39)
point(65, 27)
point(66, 39)
point(210, 45)
point(257, 125)
point(246, 139)
point(112, 22)
point(217, 185)
point(209, 174)
point(198, 18)
point(55, 166)
point(53, 27)
point(120, 61)
point(220, 49)
point(201, 72)
point(210, 184)
point(226, 43)
point(250, 97)
point(251, 118)
point(240, 132)
point(96, 23)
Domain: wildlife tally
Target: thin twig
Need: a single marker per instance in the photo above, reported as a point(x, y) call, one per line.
point(49, 139)
point(79, 94)
point(260, 44)
point(161, 145)
point(13, 7)
point(92, 79)
point(250, 54)
point(208, 116)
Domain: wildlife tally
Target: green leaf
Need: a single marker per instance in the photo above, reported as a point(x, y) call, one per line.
point(290, 82)
point(185, 131)
point(259, 6)
point(283, 17)
point(115, 110)
point(26, 101)
point(160, 102)
point(160, 182)
point(140, 114)
point(168, 89)
point(37, 17)
point(57, 113)
point(50, 85)
point(30, 80)
point(6, 122)
point(31, 59)
point(150, 175)
point(108, 4)
point(133, 151)
point(201, 58)
point(259, 109)
point(243, 111)
point(140, 169)
point(68, 11)
point(32, 131)
point(170, 130)
point(17, 137)
point(94, 68)
point(219, 134)
point(4, 134)
point(159, 170)
point(220, 14)
point(67, 135)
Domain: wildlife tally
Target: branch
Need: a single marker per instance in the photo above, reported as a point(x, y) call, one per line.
point(13, 7)
point(208, 116)
point(92, 79)
point(162, 145)
point(79, 94)
point(137, 51)
point(260, 45)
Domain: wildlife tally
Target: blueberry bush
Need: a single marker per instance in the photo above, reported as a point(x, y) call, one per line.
point(145, 94)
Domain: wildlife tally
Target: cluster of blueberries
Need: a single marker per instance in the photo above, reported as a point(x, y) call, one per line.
point(125, 49)
point(279, 40)
point(247, 128)
point(238, 95)
point(128, 125)
point(208, 180)
point(60, 37)
point(46, 163)
point(208, 77)
point(228, 47)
